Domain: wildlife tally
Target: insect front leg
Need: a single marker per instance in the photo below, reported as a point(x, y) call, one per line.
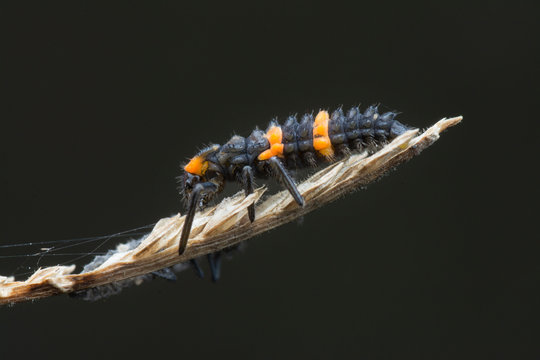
point(214, 261)
point(247, 182)
point(193, 201)
point(288, 182)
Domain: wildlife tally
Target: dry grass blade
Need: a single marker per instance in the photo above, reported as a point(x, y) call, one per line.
point(226, 223)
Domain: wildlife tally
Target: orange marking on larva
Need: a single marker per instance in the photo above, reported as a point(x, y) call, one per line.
point(328, 152)
point(321, 143)
point(274, 136)
point(319, 131)
point(321, 119)
point(321, 140)
point(196, 166)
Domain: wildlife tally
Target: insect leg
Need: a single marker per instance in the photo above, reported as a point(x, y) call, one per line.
point(193, 201)
point(214, 260)
point(197, 268)
point(247, 181)
point(288, 182)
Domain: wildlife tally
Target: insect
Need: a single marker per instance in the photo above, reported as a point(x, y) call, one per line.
point(313, 140)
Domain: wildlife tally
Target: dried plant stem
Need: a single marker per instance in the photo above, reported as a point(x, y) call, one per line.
point(225, 224)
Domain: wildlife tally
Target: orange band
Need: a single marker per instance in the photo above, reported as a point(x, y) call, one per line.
point(274, 136)
point(321, 140)
point(197, 166)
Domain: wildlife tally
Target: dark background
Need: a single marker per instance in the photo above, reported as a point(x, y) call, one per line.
point(102, 102)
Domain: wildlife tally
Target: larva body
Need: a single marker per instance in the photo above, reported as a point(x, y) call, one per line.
point(295, 144)
point(344, 133)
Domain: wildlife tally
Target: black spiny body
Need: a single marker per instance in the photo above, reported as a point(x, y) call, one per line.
point(295, 144)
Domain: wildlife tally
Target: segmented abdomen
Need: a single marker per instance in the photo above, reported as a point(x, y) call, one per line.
point(325, 136)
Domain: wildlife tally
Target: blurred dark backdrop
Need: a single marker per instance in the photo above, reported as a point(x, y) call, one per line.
point(102, 102)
